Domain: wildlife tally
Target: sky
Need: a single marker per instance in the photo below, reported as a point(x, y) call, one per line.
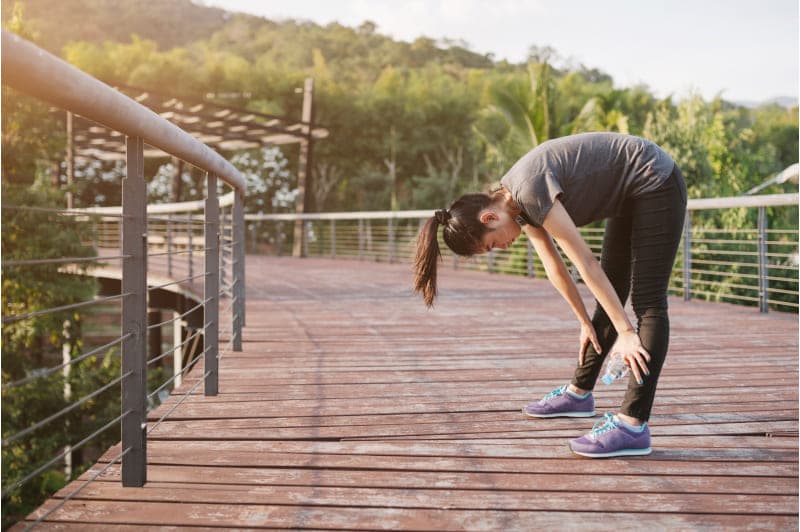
point(745, 50)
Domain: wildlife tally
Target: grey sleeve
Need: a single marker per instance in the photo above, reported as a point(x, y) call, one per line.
point(546, 188)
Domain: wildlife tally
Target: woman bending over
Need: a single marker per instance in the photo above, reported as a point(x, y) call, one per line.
point(558, 186)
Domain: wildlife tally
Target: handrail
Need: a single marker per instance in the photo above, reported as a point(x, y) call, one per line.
point(161, 208)
point(763, 270)
point(141, 245)
point(32, 70)
point(767, 200)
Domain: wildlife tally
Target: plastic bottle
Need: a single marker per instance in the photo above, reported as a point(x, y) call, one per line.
point(616, 368)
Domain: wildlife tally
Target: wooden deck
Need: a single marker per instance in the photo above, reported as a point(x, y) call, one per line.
point(353, 407)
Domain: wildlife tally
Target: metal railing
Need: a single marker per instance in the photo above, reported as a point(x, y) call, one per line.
point(750, 264)
point(149, 250)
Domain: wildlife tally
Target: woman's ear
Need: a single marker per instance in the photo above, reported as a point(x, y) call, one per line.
point(487, 216)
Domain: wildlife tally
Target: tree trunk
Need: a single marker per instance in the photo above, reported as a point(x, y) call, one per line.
point(177, 180)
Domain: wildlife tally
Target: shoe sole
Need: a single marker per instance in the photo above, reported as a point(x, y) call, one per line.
point(561, 414)
point(624, 452)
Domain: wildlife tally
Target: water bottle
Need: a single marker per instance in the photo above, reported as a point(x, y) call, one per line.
point(616, 368)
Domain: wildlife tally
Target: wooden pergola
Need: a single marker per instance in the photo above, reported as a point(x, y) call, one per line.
point(221, 127)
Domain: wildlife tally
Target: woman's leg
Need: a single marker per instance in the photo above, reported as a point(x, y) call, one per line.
point(615, 260)
point(658, 220)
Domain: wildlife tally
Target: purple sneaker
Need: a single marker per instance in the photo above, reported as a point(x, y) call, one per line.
point(561, 403)
point(610, 438)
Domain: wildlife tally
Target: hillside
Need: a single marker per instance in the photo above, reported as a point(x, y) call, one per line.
point(169, 23)
point(181, 23)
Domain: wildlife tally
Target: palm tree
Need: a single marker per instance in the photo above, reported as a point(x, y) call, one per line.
point(518, 115)
point(600, 113)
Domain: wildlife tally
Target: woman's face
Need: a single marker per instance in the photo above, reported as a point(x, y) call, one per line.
point(503, 229)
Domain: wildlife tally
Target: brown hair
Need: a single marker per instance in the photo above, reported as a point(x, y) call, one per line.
point(463, 233)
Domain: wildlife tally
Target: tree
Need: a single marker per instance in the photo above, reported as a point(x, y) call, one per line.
point(518, 116)
point(35, 342)
point(33, 138)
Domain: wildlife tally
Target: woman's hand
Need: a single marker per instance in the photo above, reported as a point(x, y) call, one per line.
point(588, 336)
point(630, 346)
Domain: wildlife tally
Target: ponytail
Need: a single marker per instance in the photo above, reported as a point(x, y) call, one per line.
point(426, 261)
point(462, 233)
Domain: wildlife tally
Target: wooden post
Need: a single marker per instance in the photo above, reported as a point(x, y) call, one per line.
point(304, 183)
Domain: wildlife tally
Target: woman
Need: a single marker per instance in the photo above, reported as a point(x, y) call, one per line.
point(557, 186)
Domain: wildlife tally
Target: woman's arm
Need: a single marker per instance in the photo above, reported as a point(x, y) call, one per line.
point(559, 276)
point(562, 228)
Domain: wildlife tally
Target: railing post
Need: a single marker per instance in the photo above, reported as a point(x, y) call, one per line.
point(134, 317)
point(391, 241)
point(95, 235)
point(490, 261)
point(66, 358)
point(280, 237)
point(306, 231)
point(360, 239)
point(573, 271)
point(238, 270)
point(177, 348)
point(190, 233)
point(368, 235)
point(763, 266)
point(333, 239)
point(531, 271)
point(687, 257)
point(169, 245)
point(223, 224)
point(211, 287)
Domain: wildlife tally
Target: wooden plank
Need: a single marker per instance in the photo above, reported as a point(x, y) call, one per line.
point(424, 498)
point(527, 448)
point(350, 408)
point(519, 396)
point(251, 476)
point(545, 459)
point(303, 517)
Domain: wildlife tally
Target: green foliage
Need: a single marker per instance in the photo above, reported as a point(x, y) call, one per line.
point(722, 153)
point(35, 343)
point(57, 23)
point(33, 138)
point(32, 234)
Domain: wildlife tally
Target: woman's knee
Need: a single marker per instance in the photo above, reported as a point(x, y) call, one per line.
point(651, 310)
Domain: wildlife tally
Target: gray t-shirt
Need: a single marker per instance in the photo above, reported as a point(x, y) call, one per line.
point(591, 174)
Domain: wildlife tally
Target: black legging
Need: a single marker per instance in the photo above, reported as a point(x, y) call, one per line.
point(639, 250)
